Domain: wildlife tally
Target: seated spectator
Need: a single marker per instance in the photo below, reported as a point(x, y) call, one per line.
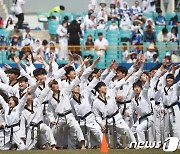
point(124, 9)
point(51, 50)
point(140, 19)
point(15, 33)
point(100, 45)
point(136, 38)
point(28, 34)
point(113, 12)
point(9, 23)
point(45, 45)
point(168, 57)
point(89, 44)
point(132, 58)
point(125, 22)
point(38, 49)
point(11, 53)
point(175, 57)
point(102, 6)
point(101, 24)
point(125, 53)
point(138, 49)
point(149, 35)
point(151, 50)
point(87, 17)
point(2, 40)
point(113, 26)
point(1, 22)
point(163, 35)
point(173, 35)
point(155, 58)
point(91, 23)
point(102, 15)
point(150, 22)
point(136, 9)
point(160, 19)
point(174, 21)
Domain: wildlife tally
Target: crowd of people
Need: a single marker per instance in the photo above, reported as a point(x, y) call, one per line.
point(68, 106)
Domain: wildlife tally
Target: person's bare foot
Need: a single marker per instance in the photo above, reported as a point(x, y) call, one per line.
point(53, 147)
point(83, 147)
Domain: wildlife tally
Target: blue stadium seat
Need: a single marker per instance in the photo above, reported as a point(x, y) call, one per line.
point(158, 29)
point(101, 64)
point(77, 14)
point(63, 14)
point(42, 17)
point(103, 31)
point(112, 33)
point(161, 46)
point(148, 15)
point(169, 16)
point(172, 45)
point(5, 32)
point(52, 26)
point(110, 22)
point(124, 34)
point(145, 45)
point(87, 53)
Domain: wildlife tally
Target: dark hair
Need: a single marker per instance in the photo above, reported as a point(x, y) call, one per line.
point(62, 7)
point(137, 84)
point(15, 99)
point(124, 44)
point(100, 34)
point(122, 69)
point(170, 76)
point(99, 85)
point(69, 69)
point(54, 82)
point(147, 73)
point(23, 79)
point(44, 42)
point(66, 18)
point(94, 72)
point(164, 30)
point(13, 71)
point(39, 71)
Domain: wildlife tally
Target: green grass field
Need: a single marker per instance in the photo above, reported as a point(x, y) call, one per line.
point(122, 151)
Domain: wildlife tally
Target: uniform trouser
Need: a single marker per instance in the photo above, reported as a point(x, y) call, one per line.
point(158, 123)
point(93, 129)
point(16, 139)
point(145, 125)
point(63, 42)
point(44, 129)
point(75, 131)
point(123, 128)
point(172, 123)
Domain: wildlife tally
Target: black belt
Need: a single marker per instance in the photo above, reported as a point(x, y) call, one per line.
point(63, 114)
point(11, 133)
point(124, 109)
point(44, 107)
point(170, 106)
point(84, 118)
point(38, 128)
point(114, 122)
point(152, 99)
point(145, 116)
point(157, 103)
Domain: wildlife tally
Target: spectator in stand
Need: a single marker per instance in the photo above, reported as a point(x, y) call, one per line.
point(75, 33)
point(150, 22)
point(51, 50)
point(102, 6)
point(1, 22)
point(173, 35)
point(2, 40)
point(119, 3)
point(125, 22)
point(151, 50)
point(136, 9)
point(92, 5)
point(102, 15)
point(125, 53)
point(132, 58)
point(136, 38)
point(124, 9)
point(163, 35)
point(149, 6)
point(57, 9)
point(91, 22)
point(38, 49)
point(174, 21)
point(138, 49)
point(15, 33)
point(101, 24)
point(175, 58)
point(113, 26)
point(160, 20)
point(89, 44)
point(155, 58)
point(63, 40)
point(149, 35)
point(87, 17)
point(28, 34)
point(101, 45)
point(11, 53)
point(113, 12)
point(168, 57)
point(140, 19)
point(9, 23)
point(45, 45)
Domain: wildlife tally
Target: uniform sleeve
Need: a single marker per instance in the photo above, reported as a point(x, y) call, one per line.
point(3, 103)
point(120, 83)
point(86, 74)
point(109, 78)
point(43, 94)
point(3, 76)
point(74, 83)
point(59, 73)
point(8, 89)
point(104, 74)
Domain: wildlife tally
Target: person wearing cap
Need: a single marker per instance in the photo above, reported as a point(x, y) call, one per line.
point(160, 20)
point(102, 6)
point(91, 22)
point(125, 23)
point(101, 45)
point(101, 24)
point(27, 34)
point(57, 9)
point(63, 40)
point(113, 11)
point(150, 22)
point(102, 15)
